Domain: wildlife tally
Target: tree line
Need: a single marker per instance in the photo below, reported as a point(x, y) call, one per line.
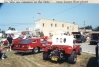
point(86, 27)
point(90, 27)
point(10, 28)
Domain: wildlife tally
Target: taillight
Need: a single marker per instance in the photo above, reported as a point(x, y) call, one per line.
point(16, 45)
point(69, 47)
point(22, 46)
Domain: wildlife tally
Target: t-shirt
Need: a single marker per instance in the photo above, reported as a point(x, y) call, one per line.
point(10, 39)
point(74, 38)
point(1, 49)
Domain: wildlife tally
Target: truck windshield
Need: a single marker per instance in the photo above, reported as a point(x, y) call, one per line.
point(78, 36)
point(95, 36)
point(27, 41)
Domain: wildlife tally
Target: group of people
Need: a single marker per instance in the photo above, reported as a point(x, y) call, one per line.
point(2, 51)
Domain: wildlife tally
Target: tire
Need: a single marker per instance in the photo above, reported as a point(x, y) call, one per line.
point(45, 56)
point(72, 58)
point(80, 51)
point(81, 41)
point(97, 63)
point(90, 43)
point(96, 52)
point(85, 40)
point(36, 50)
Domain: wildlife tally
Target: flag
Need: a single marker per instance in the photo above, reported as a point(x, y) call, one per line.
point(38, 14)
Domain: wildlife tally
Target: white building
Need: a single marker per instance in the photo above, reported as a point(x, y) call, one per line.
point(48, 26)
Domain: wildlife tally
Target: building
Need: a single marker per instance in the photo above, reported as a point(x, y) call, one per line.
point(48, 26)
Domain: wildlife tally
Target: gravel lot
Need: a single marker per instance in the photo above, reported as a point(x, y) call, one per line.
point(88, 48)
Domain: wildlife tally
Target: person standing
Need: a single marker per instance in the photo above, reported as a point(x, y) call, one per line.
point(10, 42)
point(2, 53)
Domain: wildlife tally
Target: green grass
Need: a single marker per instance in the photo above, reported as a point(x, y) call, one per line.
point(0, 38)
point(35, 60)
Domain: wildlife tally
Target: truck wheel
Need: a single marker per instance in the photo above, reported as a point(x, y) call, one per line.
point(72, 58)
point(82, 41)
point(90, 43)
point(45, 56)
point(96, 51)
point(36, 50)
point(80, 51)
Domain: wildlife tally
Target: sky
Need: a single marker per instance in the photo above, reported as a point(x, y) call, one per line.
point(23, 15)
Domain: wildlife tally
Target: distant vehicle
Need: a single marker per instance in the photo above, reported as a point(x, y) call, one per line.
point(32, 45)
point(62, 48)
point(4, 35)
point(94, 38)
point(79, 37)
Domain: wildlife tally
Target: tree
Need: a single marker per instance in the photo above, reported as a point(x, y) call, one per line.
point(87, 27)
point(10, 28)
point(96, 29)
point(41, 34)
point(0, 30)
point(3, 32)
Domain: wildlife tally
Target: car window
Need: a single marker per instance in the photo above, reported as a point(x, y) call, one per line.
point(27, 41)
point(78, 36)
point(21, 37)
point(82, 36)
point(35, 40)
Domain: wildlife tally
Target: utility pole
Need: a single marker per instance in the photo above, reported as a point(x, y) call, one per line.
point(6, 25)
point(84, 27)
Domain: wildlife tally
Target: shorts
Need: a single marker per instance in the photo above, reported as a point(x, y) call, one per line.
point(10, 44)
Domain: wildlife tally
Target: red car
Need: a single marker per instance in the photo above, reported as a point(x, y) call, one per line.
point(62, 48)
point(15, 41)
point(31, 45)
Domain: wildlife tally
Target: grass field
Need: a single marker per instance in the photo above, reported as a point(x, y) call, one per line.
point(35, 60)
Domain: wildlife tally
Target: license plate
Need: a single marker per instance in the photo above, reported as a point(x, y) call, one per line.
point(54, 59)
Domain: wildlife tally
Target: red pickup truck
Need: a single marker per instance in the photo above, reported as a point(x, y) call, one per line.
point(33, 45)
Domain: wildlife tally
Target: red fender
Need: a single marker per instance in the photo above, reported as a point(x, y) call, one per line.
point(68, 50)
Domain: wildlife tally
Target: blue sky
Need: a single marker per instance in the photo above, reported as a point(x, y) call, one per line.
point(11, 14)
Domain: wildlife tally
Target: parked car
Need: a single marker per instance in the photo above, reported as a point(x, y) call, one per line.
point(62, 48)
point(15, 40)
point(79, 37)
point(94, 38)
point(31, 45)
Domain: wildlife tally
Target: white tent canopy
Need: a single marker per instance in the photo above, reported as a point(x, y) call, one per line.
point(11, 31)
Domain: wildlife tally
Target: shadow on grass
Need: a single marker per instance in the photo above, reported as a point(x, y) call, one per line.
point(91, 62)
point(25, 54)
